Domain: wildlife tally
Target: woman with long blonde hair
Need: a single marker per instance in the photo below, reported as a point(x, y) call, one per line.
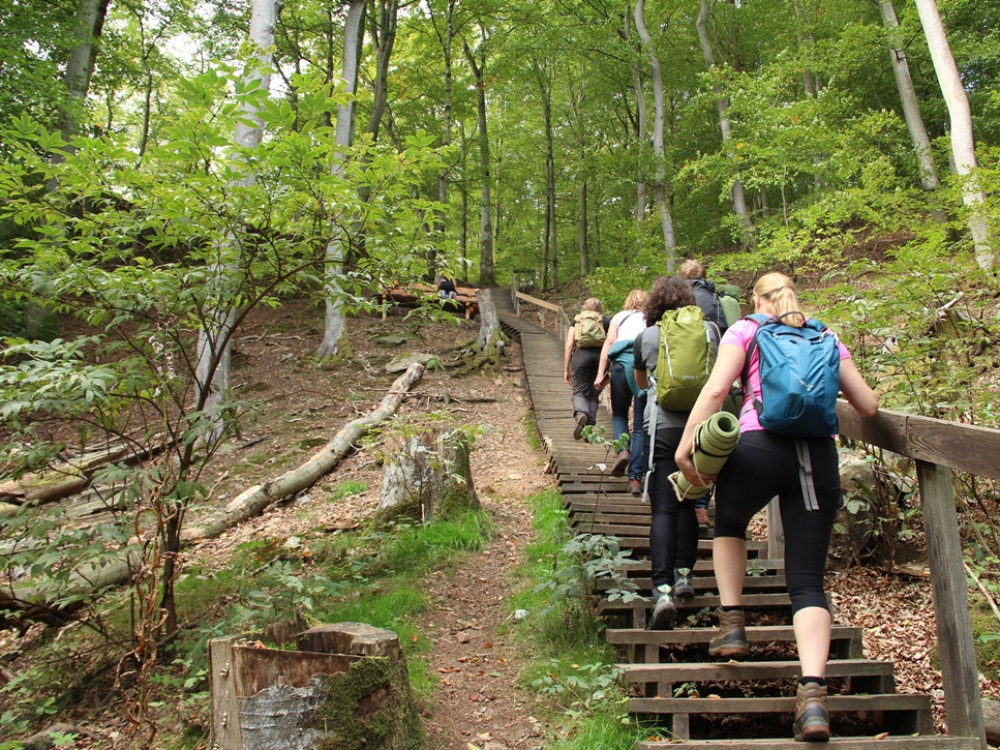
point(766, 464)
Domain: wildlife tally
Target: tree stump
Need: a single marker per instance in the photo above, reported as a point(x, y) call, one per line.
point(345, 688)
point(427, 475)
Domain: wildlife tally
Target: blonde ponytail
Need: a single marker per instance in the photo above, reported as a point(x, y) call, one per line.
point(778, 291)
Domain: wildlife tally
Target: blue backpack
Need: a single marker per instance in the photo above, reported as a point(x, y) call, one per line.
point(799, 377)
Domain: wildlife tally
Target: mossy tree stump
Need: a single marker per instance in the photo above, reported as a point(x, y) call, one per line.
point(427, 475)
point(344, 688)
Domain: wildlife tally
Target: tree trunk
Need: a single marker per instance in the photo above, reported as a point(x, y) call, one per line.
point(659, 153)
point(214, 349)
point(427, 476)
point(344, 684)
point(447, 38)
point(962, 143)
point(908, 98)
point(551, 241)
point(641, 188)
point(737, 194)
point(336, 250)
point(486, 269)
point(582, 231)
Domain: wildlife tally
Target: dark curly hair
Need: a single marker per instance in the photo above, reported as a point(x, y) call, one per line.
point(668, 293)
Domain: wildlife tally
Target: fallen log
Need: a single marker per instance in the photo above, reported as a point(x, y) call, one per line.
point(22, 599)
point(254, 500)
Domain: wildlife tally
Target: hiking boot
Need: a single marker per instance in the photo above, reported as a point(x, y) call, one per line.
point(581, 422)
point(635, 487)
point(812, 720)
point(683, 589)
point(702, 515)
point(731, 640)
point(664, 610)
point(621, 465)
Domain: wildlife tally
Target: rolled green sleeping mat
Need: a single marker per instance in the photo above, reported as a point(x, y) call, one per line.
point(714, 440)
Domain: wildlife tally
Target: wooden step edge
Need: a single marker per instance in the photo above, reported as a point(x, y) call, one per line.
point(879, 742)
point(750, 601)
point(779, 704)
point(747, 670)
point(755, 634)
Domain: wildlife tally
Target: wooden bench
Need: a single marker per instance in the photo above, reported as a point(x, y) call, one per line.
point(465, 300)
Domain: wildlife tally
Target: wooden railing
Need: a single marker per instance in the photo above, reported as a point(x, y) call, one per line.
point(938, 447)
point(562, 322)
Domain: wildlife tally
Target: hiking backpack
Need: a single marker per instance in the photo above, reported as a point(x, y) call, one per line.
point(799, 377)
point(685, 358)
point(589, 329)
point(729, 301)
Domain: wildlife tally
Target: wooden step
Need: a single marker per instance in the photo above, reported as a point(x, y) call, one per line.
point(900, 714)
point(634, 612)
point(845, 640)
point(701, 584)
point(891, 742)
point(860, 675)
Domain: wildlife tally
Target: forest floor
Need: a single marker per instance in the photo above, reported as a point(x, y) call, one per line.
point(481, 701)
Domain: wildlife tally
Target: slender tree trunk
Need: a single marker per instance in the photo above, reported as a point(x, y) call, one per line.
point(641, 188)
point(962, 143)
point(212, 367)
point(544, 80)
point(486, 269)
point(336, 250)
point(383, 38)
point(446, 37)
point(82, 58)
point(737, 194)
point(908, 98)
point(659, 153)
point(583, 229)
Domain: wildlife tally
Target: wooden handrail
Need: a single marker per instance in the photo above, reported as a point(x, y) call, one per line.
point(562, 320)
point(939, 447)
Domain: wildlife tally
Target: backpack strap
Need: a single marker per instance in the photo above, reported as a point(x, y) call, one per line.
point(760, 319)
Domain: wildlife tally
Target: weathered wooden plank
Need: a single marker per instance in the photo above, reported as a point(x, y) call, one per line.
point(969, 449)
point(959, 673)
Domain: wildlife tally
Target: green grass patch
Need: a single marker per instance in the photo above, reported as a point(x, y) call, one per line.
point(572, 664)
point(347, 489)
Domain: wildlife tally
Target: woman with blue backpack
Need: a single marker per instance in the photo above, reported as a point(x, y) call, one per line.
point(616, 360)
point(786, 449)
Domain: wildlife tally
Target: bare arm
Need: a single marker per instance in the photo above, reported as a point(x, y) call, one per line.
point(858, 393)
point(727, 369)
point(570, 341)
point(609, 341)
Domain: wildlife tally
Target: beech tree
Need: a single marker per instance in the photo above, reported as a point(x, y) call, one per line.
point(336, 250)
point(659, 153)
point(962, 143)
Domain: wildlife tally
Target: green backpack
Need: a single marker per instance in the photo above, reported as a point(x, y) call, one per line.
point(589, 329)
point(685, 358)
point(729, 301)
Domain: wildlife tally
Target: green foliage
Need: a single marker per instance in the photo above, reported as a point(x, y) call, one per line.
point(574, 664)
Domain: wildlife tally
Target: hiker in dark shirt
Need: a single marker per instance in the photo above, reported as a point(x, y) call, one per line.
point(673, 529)
point(446, 288)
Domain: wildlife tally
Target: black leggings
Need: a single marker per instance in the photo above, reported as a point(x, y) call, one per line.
point(765, 465)
point(673, 528)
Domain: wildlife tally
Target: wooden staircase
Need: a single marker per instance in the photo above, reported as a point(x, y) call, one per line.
point(675, 685)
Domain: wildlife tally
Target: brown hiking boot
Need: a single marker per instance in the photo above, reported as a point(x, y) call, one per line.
point(621, 465)
point(702, 515)
point(812, 720)
point(731, 640)
point(581, 422)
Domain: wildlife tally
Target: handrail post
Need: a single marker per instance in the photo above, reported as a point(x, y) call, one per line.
point(959, 673)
